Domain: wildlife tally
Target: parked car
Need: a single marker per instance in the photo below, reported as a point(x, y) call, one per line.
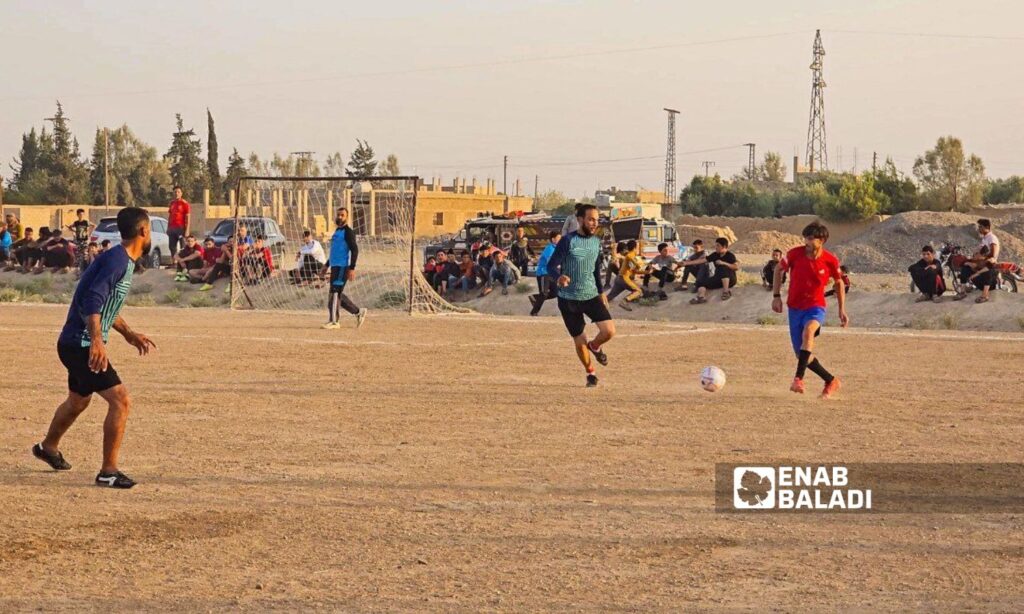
point(159, 253)
point(264, 227)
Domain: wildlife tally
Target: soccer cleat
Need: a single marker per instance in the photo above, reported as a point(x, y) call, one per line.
point(797, 386)
point(831, 388)
point(600, 356)
point(205, 287)
point(361, 317)
point(625, 305)
point(591, 380)
point(331, 326)
point(114, 480)
point(55, 460)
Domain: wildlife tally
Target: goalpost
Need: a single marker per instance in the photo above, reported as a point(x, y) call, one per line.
point(382, 212)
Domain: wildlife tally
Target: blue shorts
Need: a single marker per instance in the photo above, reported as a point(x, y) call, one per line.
point(798, 320)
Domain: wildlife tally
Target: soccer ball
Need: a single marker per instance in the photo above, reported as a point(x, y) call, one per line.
point(712, 379)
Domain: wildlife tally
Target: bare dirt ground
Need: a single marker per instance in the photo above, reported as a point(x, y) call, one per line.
point(458, 464)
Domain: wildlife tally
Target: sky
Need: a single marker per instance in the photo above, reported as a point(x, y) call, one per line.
point(571, 91)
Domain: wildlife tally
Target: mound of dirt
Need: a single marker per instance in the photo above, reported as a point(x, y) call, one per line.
point(764, 241)
point(688, 233)
point(893, 245)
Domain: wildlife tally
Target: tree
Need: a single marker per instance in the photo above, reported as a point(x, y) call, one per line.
point(138, 176)
point(949, 179)
point(1009, 190)
point(258, 167)
point(212, 163)
point(334, 166)
point(899, 189)
point(68, 173)
point(772, 169)
point(389, 167)
point(97, 171)
point(361, 162)
point(553, 201)
point(185, 161)
point(236, 170)
point(858, 200)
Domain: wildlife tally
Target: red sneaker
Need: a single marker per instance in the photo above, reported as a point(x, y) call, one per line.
point(797, 386)
point(831, 388)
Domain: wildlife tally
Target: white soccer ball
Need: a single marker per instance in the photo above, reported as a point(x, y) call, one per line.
point(712, 379)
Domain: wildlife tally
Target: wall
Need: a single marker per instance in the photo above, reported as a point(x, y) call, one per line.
point(457, 208)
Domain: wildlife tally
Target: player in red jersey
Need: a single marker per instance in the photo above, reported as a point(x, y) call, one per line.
point(810, 268)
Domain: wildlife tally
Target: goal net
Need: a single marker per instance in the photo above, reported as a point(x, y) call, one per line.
point(280, 210)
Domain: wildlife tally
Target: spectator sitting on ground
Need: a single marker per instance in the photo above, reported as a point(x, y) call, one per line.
point(37, 250)
point(466, 277)
point(257, 262)
point(985, 258)
point(429, 270)
point(503, 271)
point(484, 262)
point(927, 276)
point(221, 266)
point(663, 267)
point(699, 271)
point(520, 252)
point(768, 270)
point(452, 267)
point(58, 254)
point(14, 227)
point(21, 253)
point(614, 267)
point(310, 259)
point(724, 277)
point(5, 245)
point(845, 278)
point(632, 265)
point(211, 253)
point(188, 258)
point(244, 240)
point(439, 278)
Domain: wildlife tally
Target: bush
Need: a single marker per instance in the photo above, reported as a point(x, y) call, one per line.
point(768, 320)
point(391, 299)
point(173, 297)
point(201, 300)
point(523, 287)
point(137, 300)
point(142, 288)
point(11, 295)
point(857, 200)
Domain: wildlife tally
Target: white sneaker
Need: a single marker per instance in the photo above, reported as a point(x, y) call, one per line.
point(361, 316)
point(331, 326)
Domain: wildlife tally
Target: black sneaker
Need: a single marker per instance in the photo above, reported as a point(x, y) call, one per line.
point(601, 357)
point(591, 380)
point(55, 461)
point(114, 480)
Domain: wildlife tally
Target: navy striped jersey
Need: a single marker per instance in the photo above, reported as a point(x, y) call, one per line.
point(579, 258)
point(101, 290)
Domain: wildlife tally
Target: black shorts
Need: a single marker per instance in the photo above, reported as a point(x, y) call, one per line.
point(573, 312)
point(339, 275)
point(714, 283)
point(81, 380)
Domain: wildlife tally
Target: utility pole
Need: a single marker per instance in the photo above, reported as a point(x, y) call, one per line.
point(874, 161)
point(855, 160)
point(817, 149)
point(707, 164)
point(751, 163)
point(504, 183)
point(670, 159)
point(536, 184)
point(106, 171)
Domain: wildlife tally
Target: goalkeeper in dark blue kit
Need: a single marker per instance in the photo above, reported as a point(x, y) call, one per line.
point(342, 267)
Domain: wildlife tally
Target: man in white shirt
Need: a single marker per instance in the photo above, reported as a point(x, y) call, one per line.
point(981, 270)
point(310, 259)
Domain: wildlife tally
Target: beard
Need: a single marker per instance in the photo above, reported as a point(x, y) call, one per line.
point(585, 230)
point(339, 221)
point(147, 246)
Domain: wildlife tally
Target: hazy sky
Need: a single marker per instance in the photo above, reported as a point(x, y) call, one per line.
point(451, 87)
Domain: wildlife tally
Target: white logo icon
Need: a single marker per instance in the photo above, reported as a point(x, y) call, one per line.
point(753, 488)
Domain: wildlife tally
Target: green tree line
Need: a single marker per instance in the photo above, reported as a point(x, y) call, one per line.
point(50, 169)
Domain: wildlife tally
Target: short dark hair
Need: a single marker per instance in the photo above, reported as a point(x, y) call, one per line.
point(631, 245)
point(582, 209)
point(464, 253)
point(928, 248)
point(662, 246)
point(306, 233)
point(620, 247)
point(776, 251)
point(985, 223)
point(130, 220)
point(984, 250)
point(104, 242)
point(697, 242)
point(554, 233)
point(80, 211)
point(177, 187)
point(844, 268)
point(722, 241)
point(56, 233)
point(29, 229)
point(816, 230)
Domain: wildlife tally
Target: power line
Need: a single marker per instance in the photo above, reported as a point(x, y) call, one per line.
point(426, 69)
point(930, 35)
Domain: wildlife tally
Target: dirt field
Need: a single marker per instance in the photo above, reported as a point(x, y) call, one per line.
point(457, 464)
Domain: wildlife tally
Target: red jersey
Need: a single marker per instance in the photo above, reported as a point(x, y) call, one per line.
point(809, 277)
point(177, 213)
point(211, 255)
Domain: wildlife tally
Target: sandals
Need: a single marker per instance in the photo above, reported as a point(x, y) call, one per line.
point(981, 299)
point(726, 295)
point(698, 300)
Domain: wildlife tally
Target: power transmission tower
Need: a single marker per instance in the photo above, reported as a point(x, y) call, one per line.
point(817, 150)
point(106, 171)
point(670, 159)
point(751, 163)
point(707, 164)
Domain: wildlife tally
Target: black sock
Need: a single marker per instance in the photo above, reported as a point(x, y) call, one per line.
point(816, 367)
point(801, 363)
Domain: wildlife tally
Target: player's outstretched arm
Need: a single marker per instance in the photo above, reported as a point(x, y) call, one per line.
point(137, 340)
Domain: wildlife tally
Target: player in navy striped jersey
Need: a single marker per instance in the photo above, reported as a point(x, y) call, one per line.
point(575, 267)
point(95, 309)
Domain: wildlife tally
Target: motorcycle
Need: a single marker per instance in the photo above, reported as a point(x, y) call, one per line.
point(953, 257)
